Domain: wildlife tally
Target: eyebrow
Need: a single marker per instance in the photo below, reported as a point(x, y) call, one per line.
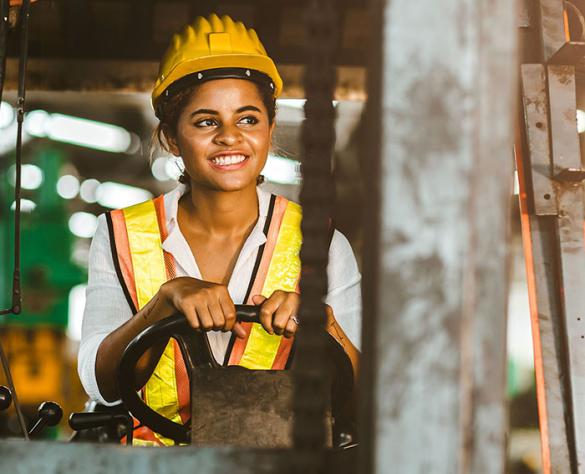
point(215, 112)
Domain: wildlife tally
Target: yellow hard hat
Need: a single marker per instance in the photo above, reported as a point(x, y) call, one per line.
point(213, 48)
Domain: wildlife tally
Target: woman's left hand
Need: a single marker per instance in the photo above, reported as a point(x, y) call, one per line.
point(278, 313)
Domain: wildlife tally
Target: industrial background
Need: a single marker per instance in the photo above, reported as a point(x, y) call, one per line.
point(434, 103)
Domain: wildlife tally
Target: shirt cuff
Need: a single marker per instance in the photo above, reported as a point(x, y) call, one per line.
point(88, 378)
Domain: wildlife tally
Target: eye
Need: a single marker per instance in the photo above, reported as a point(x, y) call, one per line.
point(249, 120)
point(207, 122)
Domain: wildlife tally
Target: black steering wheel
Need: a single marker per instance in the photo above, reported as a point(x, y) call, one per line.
point(196, 352)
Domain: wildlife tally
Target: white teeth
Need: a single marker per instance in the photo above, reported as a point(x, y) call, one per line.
point(228, 160)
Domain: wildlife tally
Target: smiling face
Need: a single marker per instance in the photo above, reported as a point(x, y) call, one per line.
point(223, 135)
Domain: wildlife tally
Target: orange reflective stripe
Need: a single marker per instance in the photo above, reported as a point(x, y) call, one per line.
point(123, 259)
point(278, 270)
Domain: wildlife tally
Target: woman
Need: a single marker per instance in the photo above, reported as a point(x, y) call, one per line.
point(214, 241)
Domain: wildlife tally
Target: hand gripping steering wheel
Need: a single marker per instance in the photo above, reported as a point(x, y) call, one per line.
point(196, 352)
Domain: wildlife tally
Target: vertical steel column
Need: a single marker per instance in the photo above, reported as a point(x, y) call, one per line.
point(311, 381)
point(437, 365)
point(569, 175)
point(538, 207)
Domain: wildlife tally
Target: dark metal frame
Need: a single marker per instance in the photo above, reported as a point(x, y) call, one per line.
point(551, 189)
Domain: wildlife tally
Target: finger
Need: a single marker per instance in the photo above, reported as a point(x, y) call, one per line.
point(229, 311)
point(217, 315)
point(239, 331)
point(291, 328)
point(204, 316)
point(268, 309)
point(281, 317)
point(258, 299)
point(191, 316)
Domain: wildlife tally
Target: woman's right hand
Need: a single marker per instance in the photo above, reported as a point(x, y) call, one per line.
point(207, 306)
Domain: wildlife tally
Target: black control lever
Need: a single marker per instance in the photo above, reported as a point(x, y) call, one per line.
point(89, 420)
point(50, 414)
point(5, 398)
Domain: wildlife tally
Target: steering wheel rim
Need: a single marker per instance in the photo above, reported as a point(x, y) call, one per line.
point(196, 353)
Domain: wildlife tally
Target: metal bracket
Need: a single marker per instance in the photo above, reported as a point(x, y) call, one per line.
point(535, 104)
point(570, 175)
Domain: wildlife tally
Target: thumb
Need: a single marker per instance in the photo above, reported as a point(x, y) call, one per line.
point(258, 299)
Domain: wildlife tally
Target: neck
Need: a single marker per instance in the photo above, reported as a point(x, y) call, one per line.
point(219, 212)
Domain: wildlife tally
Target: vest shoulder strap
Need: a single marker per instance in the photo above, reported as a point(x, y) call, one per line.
point(136, 235)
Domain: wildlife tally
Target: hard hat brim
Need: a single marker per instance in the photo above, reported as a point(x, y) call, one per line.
point(246, 61)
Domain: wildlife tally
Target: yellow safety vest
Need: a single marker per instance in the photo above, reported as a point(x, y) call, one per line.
point(136, 235)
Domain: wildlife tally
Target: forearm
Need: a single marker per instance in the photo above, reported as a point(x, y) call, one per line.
point(112, 347)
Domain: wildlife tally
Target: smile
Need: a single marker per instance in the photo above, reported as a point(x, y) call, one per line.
point(229, 162)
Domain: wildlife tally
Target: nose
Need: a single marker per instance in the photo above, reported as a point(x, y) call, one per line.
point(228, 135)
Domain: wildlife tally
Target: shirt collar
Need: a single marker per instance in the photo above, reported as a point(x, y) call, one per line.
point(176, 244)
point(173, 196)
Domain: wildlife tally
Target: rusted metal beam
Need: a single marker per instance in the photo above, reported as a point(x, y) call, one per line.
point(539, 222)
point(438, 323)
point(138, 76)
point(535, 103)
point(571, 246)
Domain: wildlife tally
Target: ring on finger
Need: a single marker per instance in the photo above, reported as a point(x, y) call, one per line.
point(296, 320)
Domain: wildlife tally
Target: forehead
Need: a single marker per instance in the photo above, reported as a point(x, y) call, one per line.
point(226, 94)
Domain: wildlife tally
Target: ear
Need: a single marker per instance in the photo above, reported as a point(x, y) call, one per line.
point(171, 140)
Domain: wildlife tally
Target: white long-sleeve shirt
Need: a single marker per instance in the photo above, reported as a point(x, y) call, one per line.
point(107, 308)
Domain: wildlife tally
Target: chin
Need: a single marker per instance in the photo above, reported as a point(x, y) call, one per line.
point(233, 186)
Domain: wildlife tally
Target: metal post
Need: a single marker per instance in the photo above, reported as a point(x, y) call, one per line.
point(310, 372)
point(437, 325)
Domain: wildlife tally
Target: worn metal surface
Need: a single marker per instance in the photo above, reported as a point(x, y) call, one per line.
point(57, 74)
point(245, 408)
point(572, 263)
point(551, 27)
point(557, 47)
point(535, 102)
point(547, 337)
point(563, 118)
point(19, 457)
point(446, 172)
point(539, 238)
point(540, 254)
point(571, 249)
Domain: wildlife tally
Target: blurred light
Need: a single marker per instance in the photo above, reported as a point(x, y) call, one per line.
point(88, 133)
point(31, 176)
point(174, 167)
point(6, 114)
point(26, 205)
point(83, 224)
point(166, 168)
point(80, 253)
point(294, 103)
point(35, 123)
point(67, 186)
point(76, 308)
point(88, 190)
point(516, 183)
point(580, 121)
point(159, 170)
point(79, 131)
point(116, 195)
point(297, 103)
point(135, 144)
point(282, 170)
